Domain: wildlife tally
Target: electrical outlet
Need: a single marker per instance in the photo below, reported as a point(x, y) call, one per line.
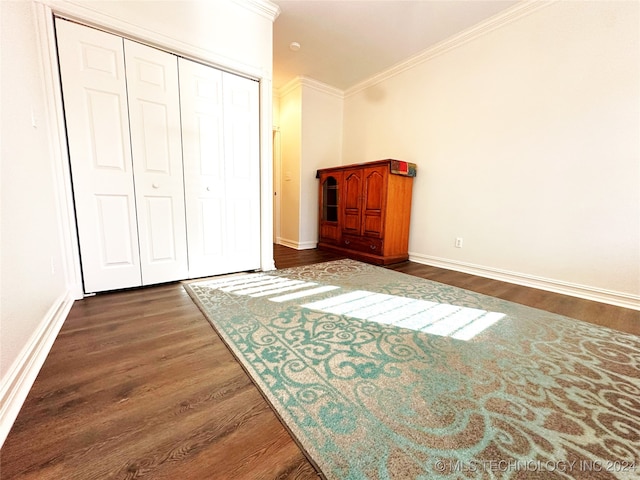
point(458, 242)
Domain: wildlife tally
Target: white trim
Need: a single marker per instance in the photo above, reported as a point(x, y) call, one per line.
point(519, 10)
point(262, 7)
point(620, 299)
point(287, 243)
point(267, 261)
point(301, 81)
point(58, 147)
point(288, 87)
point(321, 87)
point(297, 245)
point(309, 245)
point(19, 379)
point(277, 181)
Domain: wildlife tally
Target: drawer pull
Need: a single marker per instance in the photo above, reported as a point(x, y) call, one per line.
point(372, 247)
point(347, 242)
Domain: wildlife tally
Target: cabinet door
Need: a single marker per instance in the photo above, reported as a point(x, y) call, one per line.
point(329, 215)
point(352, 202)
point(374, 200)
point(154, 115)
point(94, 90)
point(221, 165)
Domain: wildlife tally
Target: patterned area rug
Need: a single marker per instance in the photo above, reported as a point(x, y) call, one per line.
point(382, 375)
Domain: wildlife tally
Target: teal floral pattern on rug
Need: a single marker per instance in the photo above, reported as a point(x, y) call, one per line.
point(534, 395)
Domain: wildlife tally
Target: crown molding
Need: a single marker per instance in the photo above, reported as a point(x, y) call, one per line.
point(288, 87)
point(321, 87)
point(263, 7)
point(302, 81)
point(520, 10)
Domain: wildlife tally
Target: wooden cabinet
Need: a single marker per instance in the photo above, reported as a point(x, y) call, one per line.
point(365, 210)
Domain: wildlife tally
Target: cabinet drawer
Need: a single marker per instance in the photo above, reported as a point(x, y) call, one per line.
point(363, 244)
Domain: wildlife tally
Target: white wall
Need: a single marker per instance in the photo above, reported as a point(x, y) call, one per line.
point(38, 266)
point(322, 110)
point(33, 282)
point(310, 119)
point(527, 142)
point(291, 153)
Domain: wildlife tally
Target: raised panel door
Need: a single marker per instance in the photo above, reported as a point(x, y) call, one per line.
point(221, 161)
point(154, 112)
point(201, 106)
point(352, 202)
point(374, 201)
point(94, 89)
point(242, 173)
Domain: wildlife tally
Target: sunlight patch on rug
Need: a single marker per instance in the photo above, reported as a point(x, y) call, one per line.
point(461, 323)
point(261, 285)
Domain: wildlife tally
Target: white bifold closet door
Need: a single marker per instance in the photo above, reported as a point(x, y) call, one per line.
point(164, 159)
point(154, 116)
point(220, 133)
point(126, 158)
point(95, 100)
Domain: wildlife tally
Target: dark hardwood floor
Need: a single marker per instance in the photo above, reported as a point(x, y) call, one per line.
point(138, 385)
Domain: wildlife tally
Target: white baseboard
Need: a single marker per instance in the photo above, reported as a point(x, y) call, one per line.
point(619, 299)
point(296, 245)
point(19, 379)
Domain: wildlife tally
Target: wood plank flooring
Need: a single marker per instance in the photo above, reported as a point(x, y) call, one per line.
point(138, 385)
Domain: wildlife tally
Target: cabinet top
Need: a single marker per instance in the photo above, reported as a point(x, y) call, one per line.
point(396, 167)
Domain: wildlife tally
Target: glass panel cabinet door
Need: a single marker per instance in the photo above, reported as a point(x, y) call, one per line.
point(330, 200)
point(330, 196)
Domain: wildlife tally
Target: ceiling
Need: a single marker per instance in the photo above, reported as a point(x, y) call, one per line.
point(344, 42)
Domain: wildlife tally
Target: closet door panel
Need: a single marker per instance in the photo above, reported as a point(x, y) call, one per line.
point(94, 91)
point(212, 236)
point(221, 160)
point(113, 229)
point(241, 231)
point(202, 137)
point(154, 111)
point(242, 171)
point(108, 147)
